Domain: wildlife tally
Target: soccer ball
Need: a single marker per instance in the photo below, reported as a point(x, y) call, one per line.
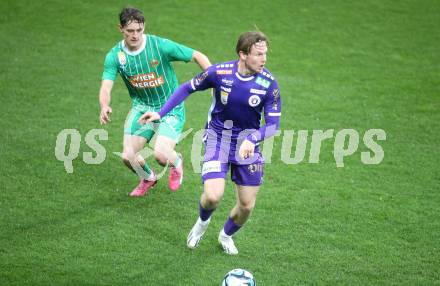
point(239, 277)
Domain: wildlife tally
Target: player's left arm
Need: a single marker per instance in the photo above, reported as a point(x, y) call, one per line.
point(272, 114)
point(178, 52)
point(201, 59)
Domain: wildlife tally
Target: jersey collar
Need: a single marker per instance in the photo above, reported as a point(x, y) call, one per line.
point(138, 51)
point(242, 77)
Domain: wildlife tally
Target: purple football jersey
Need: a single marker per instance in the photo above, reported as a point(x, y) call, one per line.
point(239, 101)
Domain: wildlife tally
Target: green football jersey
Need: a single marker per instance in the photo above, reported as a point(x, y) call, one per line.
point(147, 72)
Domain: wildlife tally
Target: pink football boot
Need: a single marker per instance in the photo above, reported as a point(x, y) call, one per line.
point(176, 176)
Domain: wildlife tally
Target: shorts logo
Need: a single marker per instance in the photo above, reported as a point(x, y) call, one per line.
point(224, 97)
point(252, 168)
point(261, 81)
point(154, 63)
point(121, 58)
point(227, 82)
point(211, 167)
point(171, 119)
point(254, 100)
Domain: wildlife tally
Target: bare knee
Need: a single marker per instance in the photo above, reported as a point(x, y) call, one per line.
point(246, 208)
point(160, 157)
point(212, 199)
point(127, 157)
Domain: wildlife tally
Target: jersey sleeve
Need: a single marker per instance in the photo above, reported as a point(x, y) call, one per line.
point(201, 81)
point(272, 104)
point(175, 51)
point(110, 67)
point(204, 80)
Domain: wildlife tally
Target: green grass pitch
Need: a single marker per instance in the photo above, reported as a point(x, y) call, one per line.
point(340, 65)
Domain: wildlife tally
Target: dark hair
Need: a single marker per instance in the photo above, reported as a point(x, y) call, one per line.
point(131, 14)
point(248, 39)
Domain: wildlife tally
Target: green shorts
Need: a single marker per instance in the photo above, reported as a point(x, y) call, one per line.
point(171, 125)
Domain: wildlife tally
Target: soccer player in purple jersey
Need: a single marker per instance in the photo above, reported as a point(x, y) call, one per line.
point(243, 91)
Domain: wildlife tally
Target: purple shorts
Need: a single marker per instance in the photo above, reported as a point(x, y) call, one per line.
point(219, 156)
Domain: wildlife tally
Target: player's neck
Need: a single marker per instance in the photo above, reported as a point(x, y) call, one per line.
point(243, 70)
point(134, 49)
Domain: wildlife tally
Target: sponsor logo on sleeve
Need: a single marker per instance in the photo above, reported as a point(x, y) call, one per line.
point(201, 77)
point(276, 93)
point(276, 96)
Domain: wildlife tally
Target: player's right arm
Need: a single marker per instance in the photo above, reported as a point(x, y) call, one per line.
point(104, 100)
point(108, 78)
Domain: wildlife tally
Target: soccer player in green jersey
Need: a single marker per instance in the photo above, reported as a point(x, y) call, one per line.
point(144, 62)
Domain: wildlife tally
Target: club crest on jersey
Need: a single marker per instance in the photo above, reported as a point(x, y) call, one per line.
point(254, 100)
point(261, 81)
point(154, 63)
point(224, 97)
point(121, 58)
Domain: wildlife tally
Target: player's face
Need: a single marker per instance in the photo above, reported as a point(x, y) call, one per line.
point(256, 59)
point(132, 33)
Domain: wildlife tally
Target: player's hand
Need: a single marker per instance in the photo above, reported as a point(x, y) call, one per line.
point(149, 117)
point(246, 149)
point(104, 117)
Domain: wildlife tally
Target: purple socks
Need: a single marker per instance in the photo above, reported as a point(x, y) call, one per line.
point(231, 227)
point(204, 213)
